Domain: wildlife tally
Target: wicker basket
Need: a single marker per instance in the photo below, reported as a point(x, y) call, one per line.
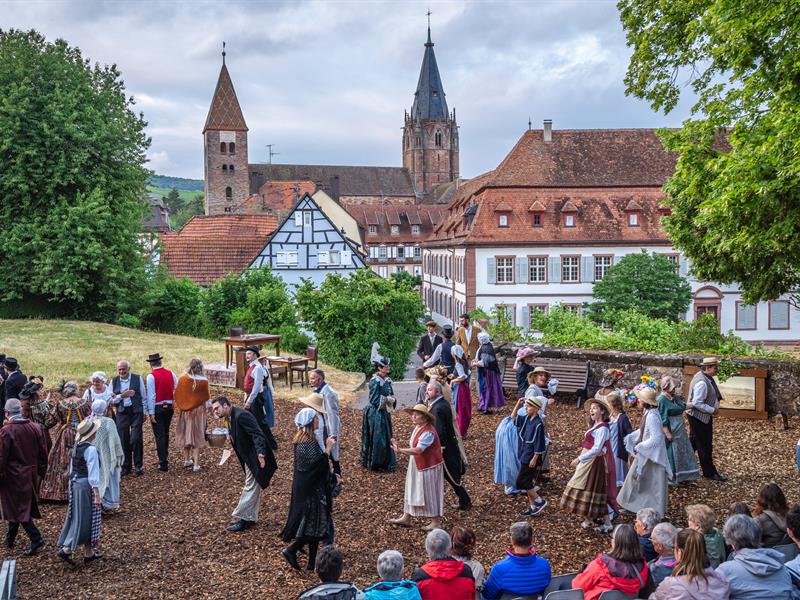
point(216, 440)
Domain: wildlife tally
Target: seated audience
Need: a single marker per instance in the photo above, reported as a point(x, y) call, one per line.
point(691, 579)
point(443, 577)
point(701, 518)
point(463, 548)
point(792, 526)
point(753, 573)
point(392, 585)
point(646, 519)
point(663, 538)
point(739, 508)
point(522, 572)
point(770, 514)
point(329, 568)
point(622, 569)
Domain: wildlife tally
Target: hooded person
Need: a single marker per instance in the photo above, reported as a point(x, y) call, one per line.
point(109, 449)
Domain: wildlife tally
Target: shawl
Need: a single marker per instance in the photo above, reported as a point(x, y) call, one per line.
point(191, 392)
point(109, 450)
point(311, 477)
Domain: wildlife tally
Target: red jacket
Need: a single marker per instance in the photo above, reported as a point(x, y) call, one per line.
point(604, 574)
point(445, 580)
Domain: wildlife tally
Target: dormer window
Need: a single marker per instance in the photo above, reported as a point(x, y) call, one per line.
point(633, 218)
point(502, 220)
point(503, 210)
point(536, 219)
point(372, 230)
point(569, 219)
point(570, 213)
point(633, 213)
point(395, 230)
point(415, 230)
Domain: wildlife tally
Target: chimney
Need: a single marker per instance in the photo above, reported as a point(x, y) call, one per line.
point(548, 130)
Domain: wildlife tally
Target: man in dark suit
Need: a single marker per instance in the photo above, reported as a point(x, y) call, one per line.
point(15, 380)
point(255, 456)
point(428, 342)
point(454, 466)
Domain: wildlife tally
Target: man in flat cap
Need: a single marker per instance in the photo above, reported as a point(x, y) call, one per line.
point(428, 342)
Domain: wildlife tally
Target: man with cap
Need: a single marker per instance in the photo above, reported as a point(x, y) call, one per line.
point(454, 467)
point(442, 353)
point(129, 399)
point(531, 450)
point(161, 384)
point(255, 456)
point(428, 342)
point(15, 380)
point(23, 464)
point(258, 394)
point(702, 405)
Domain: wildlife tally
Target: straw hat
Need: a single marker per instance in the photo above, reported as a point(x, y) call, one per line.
point(600, 402)
point(537, 401)
point(86, 429)
point(647, 395)
point(709, 361)
point(315, 401)
point(422, 409)
point(538, 371)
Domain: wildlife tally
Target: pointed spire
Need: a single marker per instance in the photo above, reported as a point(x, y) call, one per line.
point(225, 113)
point(429, 101)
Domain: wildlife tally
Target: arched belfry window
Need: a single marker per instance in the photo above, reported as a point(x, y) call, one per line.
point(228, 193)
point(223, 147)
point(438, 139)
point(232, 148)
point(224, 168)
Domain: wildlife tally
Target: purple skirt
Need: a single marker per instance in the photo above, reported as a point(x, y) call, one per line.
point(491, 392)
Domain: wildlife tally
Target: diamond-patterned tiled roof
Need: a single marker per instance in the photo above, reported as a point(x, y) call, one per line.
point(225, 113)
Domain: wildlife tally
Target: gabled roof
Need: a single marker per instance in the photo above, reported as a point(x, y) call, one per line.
point(209, 247)
point(633, 205)
point(421, 215)
point(536, 207)
point(392, 216)
point(429, 101)
point(274, 197)
point(225, 113)
point(337, 180)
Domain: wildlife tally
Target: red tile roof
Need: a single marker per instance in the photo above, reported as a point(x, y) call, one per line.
point(404, 216)
point(225, 113)
point(275, 196)
point(209, 247)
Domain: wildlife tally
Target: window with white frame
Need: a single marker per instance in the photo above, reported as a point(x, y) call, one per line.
point(298, 219)
point(415, 230)
point(569, 220)
point(601, 265)
point(570, 269)
point(306, 218)
point(372, 229)
point(417, 252)
point(502, 221)
point(382, 252)
point(395, 230)
point(745, 316)
point(633, 219)
point(573, 308)
point(323, 257)
point(505, 270)
point(537, 269)
point(779, 314)
point(400, 268)
point(675, 259)
point(382, 272)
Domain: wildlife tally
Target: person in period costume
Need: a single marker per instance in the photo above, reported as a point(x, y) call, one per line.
point(129, 401)
point(531, 449)
point(255, 456)
point(15, 379)
point(69, 411)
point(587, 493)
point(330, 404)
point(258, 394)
point(506, 442)
point(109, 449)
point(467, 336)
point(36, 406)
point(459, 384)
point(2, 385)
point(523, 364)
point(442, 354)
point(620, 426)
point(608, 385)
point(310, 505)
point(428, 341)
point(646, 483)
point(454, 461)
point(192, 399)
point(542, 385)
point(679, 448)
point(160, 385)
point(490, 382)
point(422, 385)
point(424, 493)
point(702, 405)
point(84, 515)
point(23, 463)
point(100, 390)
point(376, 427)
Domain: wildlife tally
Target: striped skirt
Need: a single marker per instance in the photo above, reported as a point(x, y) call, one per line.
point(424, 495)
point(587, 497)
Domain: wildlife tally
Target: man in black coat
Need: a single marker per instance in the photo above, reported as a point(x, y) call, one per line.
point(15, 381)
point(255, 456)
point(454, 466)
point(428, 342)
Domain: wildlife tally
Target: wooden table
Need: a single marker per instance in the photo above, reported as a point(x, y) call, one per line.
point(288, 362)
point(254, 339)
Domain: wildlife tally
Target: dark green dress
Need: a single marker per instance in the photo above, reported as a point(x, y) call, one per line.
point(376, 428)
point(679, 450)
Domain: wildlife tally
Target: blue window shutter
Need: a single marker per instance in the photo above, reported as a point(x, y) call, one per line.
point(554, 269)
point(491, 270)
point(683, 267)
point(587, 269)
point(525, 317)
point(522, 269)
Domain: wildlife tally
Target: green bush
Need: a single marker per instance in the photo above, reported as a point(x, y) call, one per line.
point(172, 306)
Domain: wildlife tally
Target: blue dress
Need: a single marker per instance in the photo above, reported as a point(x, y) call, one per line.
point(506, 458)
point(376, 428)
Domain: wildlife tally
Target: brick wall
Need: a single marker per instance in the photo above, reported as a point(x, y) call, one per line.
point(218, 179)
point(429, 164)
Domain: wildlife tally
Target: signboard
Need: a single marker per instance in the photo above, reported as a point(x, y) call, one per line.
point(744, 396)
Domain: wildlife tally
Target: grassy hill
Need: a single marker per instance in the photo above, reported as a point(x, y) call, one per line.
point(185, 196)
point(179, 183)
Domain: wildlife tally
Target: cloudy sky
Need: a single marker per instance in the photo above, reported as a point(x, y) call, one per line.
point(327, 82)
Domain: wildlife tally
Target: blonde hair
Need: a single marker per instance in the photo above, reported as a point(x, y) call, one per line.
point(703, 516)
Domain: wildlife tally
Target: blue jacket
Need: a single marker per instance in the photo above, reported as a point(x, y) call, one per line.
point(393, 590)
point(519, 575)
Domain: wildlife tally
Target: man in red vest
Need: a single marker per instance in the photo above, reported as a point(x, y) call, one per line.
point(258, 394)
point(161, 384)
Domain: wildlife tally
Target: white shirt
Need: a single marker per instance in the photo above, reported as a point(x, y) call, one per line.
point(124, 386)
point(258, 375)
point(425, 440)
point(598, 448)
point(107, 394)
point(437, 354)
point(699, 396)
point(92, 465)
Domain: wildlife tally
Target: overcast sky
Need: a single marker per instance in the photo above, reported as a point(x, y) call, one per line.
point(327, 82)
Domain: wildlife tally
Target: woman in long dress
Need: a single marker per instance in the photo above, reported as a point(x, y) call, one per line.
point(309, 516)
point(462, 397)
point(376, 424)
point(620, 426)
point(586, 493)
point(100, 390)
point(109, 451)
point(680, 453)
point(506, 457)
point(646, 483)
point(69, 411)
point(192, 399)
point(491, 382)
point(424, 493)
point(36, 406)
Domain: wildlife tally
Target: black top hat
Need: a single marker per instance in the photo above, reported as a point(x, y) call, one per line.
point(254, 349)
point(153, 358)
point(11, 363)
point(447, 331)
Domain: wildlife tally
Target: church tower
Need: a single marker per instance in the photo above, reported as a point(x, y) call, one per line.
point(227, 181)
point(430, 133)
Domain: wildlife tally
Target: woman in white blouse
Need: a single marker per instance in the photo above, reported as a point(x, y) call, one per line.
point(100, 390)
point(646, 483)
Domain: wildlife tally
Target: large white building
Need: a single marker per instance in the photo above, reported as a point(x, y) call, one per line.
point(557, 212)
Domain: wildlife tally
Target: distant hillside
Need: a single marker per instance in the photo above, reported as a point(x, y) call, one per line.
point(179, 183)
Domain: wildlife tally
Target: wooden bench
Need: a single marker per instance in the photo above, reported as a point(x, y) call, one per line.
point(573, 377)
point(8, 580)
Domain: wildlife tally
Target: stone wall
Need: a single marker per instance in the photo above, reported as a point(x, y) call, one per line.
point(783, 381)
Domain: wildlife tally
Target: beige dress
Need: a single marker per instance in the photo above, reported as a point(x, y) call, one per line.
point(190, 426)
point(424, 495)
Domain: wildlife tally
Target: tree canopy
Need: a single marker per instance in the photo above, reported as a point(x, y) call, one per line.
point(735, 194)
point(646, 283)
point(72, 179)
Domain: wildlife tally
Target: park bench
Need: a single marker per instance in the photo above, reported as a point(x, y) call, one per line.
point(8, 580)
point(573, 377)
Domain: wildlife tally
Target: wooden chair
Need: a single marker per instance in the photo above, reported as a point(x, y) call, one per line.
point(304, 370)
point(790, 551)
point(276, 371)
point(615, 595)
point(8, 580)
point(573, 377)
point(565, 595)
point(560, 582)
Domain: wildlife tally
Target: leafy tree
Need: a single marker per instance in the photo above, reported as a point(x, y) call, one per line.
point(643, 282)
point(171, 305)
point(173, 200)
point(735, 202)
point(349, 313)
point(73, 174)
point(404, 278)
point(187, 210)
